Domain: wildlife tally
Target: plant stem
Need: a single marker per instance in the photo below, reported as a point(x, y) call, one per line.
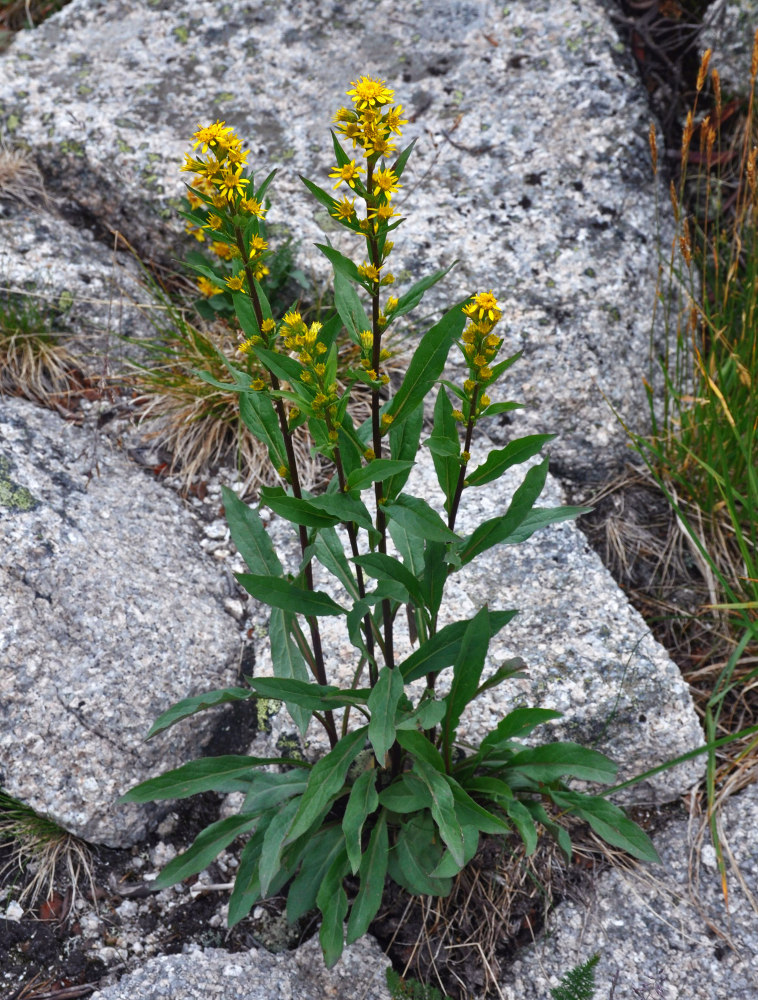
point(466, 449)
point(318, 652)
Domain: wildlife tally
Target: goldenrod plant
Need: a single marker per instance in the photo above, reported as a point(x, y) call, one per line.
point(398, 794)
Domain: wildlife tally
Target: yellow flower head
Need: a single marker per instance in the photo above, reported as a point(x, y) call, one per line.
point(216, 133)
point(257, 245)
point(344, 209)
point(367, 341)
point(222, 250)
point(386, 181)
point(207, 287)
point(392, 304)
point(486, 305)
point(348, 174)
point(368, 92)
point(268, 325)
point(195, 231)
point(369, 271)
point(394, 119)
point(214, 221)
point(232, 182)
point(257, 384)
point(235, 283)
point(382, 212)
point(253, 206)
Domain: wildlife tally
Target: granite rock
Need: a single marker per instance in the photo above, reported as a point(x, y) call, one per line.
point(729, 31)
point(109, 613)
point(531, 166)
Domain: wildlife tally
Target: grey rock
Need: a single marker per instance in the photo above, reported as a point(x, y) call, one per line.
point(589, 654)
point(531, 166)
point(95, 292)
point(257, 975)
point(729, 31)
point(108, 615)
point(666, 923)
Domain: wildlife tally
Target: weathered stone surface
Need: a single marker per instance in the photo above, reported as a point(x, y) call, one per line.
point(95, 292)
point(108, 615)
point(258, 975)
point(661, 924)
point(531, 165)
point(589, 654)
point(729, 31)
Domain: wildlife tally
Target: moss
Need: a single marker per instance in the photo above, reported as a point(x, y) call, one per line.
point(13, 496)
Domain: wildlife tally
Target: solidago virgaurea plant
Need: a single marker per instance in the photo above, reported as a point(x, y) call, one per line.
point(396, 795)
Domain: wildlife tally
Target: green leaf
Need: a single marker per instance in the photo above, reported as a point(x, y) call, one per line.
point(522, 820)
point(443, 648)
point(407, 794)
point(283, 366)
point(319, 194)
point(499, 529)
point(373, 871)
point(435, 576)
point(421, 748)
point(297, 510)
point(363, 800)
point(416, 854)
point(287, 661)
point(323, 849)
point(332, 901)
point(382, 704)
point(331, 554)
point(326, 780)
point(556, 760)
point(342, 265)
point(377, 470)
point(189, 706)
point(250, 536)
point(467, 670)
point(273, 843)
point(470, 813)
point(245, 311)
point(209, 774)
point(311, 696)
point(448, 868)
point(556, 831)
point(419, 519)
point(442, 807)
point(257, 412)
point(426, 365)
point(608, 822)
point(404, 444)
point(350, 307)
point(515, 667)
point(285, 595)
point(445, 446)
point(383, 567)
point(501, 459)
point(427, 715)
point(415, 293)
point(540, 517)
point(268, 791)
point(399, 165)
point(520, 722)
point(412, 554)
point(205, 848)
point(247, 887)
point(345, 507)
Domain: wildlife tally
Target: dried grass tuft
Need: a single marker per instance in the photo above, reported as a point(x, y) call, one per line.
point(34, 363)
point(20, 178)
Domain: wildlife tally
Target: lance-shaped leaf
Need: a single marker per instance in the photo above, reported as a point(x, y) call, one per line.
point(285, 595)
point(341, 264)
point(326, 780)
point(501, 459)
point(377, 470)
point(257, 412)
point(350, 307)
point(311, 696)
point(426, 365)
point(331, 554)
point(268, 790)
point(372, 873)
point(384, 567)
point(445, 447)
point(419, 518)
point(518, 723)
point(287, 661)
point(209, 774)
point(499, 529)
point(205, 848)
point(250, 536)
point(415, 293)
point(608, 822)
point(273, 844)
point(399, 165)
point(319, 194)
point(363, 801)
point(189, 706)
point(540, 517)
point(442, 807)
point(243, 306)
point(332, 901)
point(443, 648)
point(404, 444)
point(382, 704)
point(416, 854)
point(558, 760)
point(467, 670)
point(421, 748)
point(322, 850)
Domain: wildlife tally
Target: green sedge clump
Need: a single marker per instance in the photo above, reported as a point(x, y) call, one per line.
point(398, 794)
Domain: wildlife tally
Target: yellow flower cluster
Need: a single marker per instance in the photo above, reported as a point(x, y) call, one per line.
point(367, 358)
point(480, 346)
point(303, 340)
point(221, 174)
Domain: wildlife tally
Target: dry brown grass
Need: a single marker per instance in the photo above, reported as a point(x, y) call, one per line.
point(34, 362)
point(20, 178)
